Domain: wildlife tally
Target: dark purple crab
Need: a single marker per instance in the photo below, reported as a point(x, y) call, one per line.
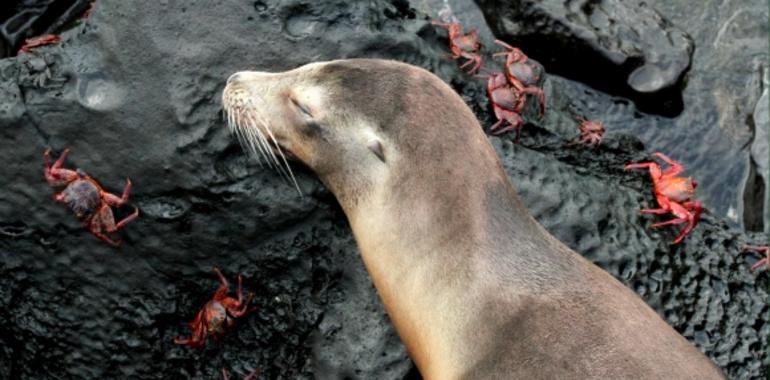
point(218, 314)
point(86, 198)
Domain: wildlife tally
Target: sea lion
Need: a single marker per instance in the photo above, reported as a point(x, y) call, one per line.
point(475, 287)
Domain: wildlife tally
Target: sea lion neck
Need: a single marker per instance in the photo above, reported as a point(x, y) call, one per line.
point(425, 232)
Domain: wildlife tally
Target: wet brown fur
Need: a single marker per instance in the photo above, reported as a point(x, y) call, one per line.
point(475, 287)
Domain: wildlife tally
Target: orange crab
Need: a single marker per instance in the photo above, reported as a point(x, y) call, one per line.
point(216, 315)
point(673, 194)
point(31, 43)
point(591, 133)
point(463, 45)
point(522, 74)
point(86, 198)
point(506, 104)
point(763, 250)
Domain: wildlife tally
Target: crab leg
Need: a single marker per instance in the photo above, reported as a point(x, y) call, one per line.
point(240, 289)
point(657, 211)
point(663, 202)
point(114, 200)
point(198, 337)
point(681, 213)
point(496, 125)
point(505, 45)
point(684, 232)
point(244, 306)
point(684, 216)
point(127, 219)
point(441, 24)
point(252, 375)
point(103, 220)
point(469, 61)
point(476, 60)
point(223, 287)
point(106, 219)
point(675, 167)
point(670, 222)
point(535, 92)
point(114, 243)
point(58, 197)
point(200, 331)
point(765, 261)
point(54, 174)
point(103, 237)
point(654, 168)
point(759, 264)
point(695, 209)
point(454, 55)
point(509, 127)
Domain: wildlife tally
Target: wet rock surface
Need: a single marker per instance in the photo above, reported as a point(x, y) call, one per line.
point(21, 19)
point(727, 79)
point(712, 133)
point(641, 55)
point(134, 92)
point(757, 210)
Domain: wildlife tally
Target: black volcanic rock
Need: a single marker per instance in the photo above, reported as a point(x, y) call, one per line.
point(134, 91)
point(21, 19)
point(622, 47)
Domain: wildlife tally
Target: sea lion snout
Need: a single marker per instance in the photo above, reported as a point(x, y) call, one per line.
point(242, 77)
point(234, 78)
point(330, 116)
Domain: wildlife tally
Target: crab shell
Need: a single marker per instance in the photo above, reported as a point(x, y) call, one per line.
point(217, 318)
point(677, 189)
point(83, 197)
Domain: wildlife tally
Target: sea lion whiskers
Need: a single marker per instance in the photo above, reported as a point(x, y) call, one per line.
point(255, 139)
point(235, 106)
point(264, 124)
point(256, 135)
point(231, 125)
point(247, 144)
point(245, 120)
point(255, 118)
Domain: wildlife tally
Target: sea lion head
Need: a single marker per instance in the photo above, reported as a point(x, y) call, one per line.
point(358, 123)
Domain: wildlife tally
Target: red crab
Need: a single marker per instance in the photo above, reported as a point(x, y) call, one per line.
point(673, 194)
point(88, 11)
point(250, 376)
point(86, 198)
point(522, 74)
point(463, 45)
point(506, 104)
point(217, 314)
point(31, 43)
point(591, 133)
point(763, 250)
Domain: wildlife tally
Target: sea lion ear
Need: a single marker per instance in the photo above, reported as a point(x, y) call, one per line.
point(376, 148)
